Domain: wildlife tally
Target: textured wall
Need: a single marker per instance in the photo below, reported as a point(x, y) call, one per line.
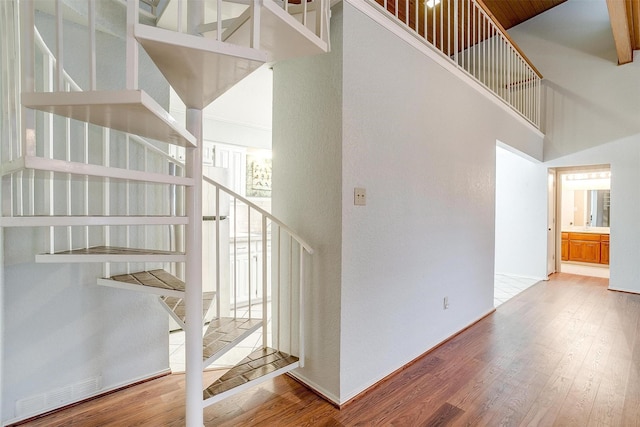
point(307, 192)
point(380, 114)
point(422, 142)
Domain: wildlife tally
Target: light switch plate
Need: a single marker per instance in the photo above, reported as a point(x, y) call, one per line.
point(359, 196)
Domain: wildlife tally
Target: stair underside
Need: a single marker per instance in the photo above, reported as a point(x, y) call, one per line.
point(85, 220)
point(199, 69)
point(223, 333)
point(257, 367)
point(63, 166)
point(111, 254)
point(132, 111)
point(157, 282)
point(176, 306)
point(281, 35)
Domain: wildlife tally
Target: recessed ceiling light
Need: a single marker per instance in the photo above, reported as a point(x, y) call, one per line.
point(432, 3)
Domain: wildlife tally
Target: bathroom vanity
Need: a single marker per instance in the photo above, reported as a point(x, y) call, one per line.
point(586, 244)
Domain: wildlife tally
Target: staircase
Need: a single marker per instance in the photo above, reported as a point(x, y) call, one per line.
point(112, 194)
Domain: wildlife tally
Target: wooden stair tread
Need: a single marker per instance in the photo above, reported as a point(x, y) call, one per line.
point(258, 364)
point(132, 111)
point(154, 278)
point(224, 332)
point(113, 250)
point(176, 306)
point(157, 282)
point(111, 254)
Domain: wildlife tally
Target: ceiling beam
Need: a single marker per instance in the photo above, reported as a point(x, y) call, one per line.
point(621, 30)
point(635, 22)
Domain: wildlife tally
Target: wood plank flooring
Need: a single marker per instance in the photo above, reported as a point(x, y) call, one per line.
point(563, 353)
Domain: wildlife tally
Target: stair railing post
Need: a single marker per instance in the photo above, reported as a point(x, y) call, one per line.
point(92, 45)
point(27, 60)
point(59, 46)
point(255, 24)
point(455, 32)
point(264, 281)
point(301, 330)
point(132, 44)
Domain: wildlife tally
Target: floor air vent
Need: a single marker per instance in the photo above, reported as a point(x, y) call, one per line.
point(40, 403)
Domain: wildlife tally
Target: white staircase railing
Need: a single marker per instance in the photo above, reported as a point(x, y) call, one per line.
point(275, 282)
point(466, 33)
point(65, 157)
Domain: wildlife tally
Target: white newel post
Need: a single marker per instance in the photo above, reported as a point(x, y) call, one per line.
point(193, 274)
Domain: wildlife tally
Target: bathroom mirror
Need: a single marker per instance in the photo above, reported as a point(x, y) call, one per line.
point(591, 208)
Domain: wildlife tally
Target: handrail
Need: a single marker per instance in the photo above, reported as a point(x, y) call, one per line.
point(466, 33)
point(257, 208)
point(506, 35)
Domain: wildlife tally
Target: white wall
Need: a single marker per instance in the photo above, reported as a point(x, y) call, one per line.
point(307, 192)
point(592, 112)
point(422, 142)
point(521, 238)
point(378, 113)
point(590, 100)
point(61, 328)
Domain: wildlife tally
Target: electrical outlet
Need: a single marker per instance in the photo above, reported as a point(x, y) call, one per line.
point(359, 196)
point(445, 303)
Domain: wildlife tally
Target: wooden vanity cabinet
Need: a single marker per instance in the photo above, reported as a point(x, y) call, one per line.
point(585, 247)
point(565, 247)
point(604, 249)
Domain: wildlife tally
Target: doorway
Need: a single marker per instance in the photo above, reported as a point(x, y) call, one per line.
point(583, 200)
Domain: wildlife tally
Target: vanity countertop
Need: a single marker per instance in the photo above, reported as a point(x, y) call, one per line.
point(582, 229)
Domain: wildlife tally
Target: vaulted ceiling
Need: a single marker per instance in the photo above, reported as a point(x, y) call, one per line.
point(623, 14)
point(513, 12)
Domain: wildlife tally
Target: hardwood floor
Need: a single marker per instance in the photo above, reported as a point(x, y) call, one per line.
point(564, 352)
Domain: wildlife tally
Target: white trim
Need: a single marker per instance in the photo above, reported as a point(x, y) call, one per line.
point(421, 45)
point(65, 221)
point(315, 387)
point(140, 288)
point(629, 291)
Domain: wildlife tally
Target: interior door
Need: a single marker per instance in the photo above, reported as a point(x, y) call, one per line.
point(551, 222)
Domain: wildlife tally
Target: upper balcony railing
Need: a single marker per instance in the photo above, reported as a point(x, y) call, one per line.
point(466, 33)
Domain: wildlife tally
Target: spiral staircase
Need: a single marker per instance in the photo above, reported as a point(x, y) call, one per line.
point(140, 214)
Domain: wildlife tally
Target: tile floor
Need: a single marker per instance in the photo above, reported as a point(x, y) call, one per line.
point(506, 287)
